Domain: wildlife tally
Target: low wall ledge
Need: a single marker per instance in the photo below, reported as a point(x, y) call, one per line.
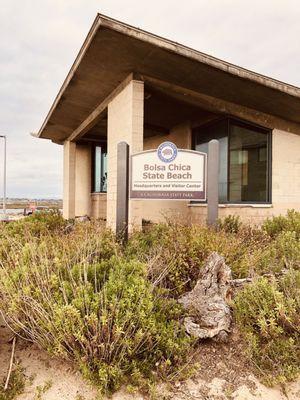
point(244, 205)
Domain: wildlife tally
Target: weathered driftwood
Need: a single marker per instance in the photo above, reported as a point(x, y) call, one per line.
point(209, 312)
point(239, 283)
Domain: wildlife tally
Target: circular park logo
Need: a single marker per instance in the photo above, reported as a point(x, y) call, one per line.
point(167, 152)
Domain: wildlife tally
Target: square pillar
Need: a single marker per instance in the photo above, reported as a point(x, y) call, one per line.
point(125, 123)
point(83, 181)
point(69, 179)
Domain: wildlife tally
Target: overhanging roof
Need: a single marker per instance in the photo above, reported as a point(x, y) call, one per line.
point(112, 50)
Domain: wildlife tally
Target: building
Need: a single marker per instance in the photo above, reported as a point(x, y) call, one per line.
point(128, 84)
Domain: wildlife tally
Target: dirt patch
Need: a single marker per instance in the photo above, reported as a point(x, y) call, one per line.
point(225, 373)
point(226, 361)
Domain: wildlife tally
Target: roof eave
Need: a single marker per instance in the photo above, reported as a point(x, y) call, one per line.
point(88, 40)
point(171, 46)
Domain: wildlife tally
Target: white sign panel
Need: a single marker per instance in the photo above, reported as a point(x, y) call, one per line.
point(168, 173)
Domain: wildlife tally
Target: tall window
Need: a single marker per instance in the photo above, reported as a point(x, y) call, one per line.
point(244, 159)
point(99, 166)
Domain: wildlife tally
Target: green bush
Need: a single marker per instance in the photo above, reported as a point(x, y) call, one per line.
point(289, 223)
point(78, 298)
point(83, 239)
point(231, 224)
point(281, 253)
point(169, 254)
point(34, 225)
point(267, 313)
point(112, 308)
point(175, 253)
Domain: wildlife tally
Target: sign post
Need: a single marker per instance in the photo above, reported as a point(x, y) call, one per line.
point(213, 182)
point(122, 191)
point(167, 173)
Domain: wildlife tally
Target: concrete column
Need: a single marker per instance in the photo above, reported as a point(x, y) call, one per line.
point(69, 179)
point(125, 123)
point(83, 171)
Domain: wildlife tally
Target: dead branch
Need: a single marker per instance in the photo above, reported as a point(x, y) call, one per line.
point(11, 363)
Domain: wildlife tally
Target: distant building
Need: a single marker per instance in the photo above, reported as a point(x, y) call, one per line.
point(128, 84)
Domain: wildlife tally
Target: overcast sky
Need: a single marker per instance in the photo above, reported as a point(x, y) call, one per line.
point(39, 40)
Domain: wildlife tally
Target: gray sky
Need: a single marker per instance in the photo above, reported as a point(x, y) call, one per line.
point(39, 40)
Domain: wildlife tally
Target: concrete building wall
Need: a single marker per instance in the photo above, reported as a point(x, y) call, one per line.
point(83, 181)
point(285, 185)
point(98, 205)
point(286, 171)
point(125, 123)
point(76, 180)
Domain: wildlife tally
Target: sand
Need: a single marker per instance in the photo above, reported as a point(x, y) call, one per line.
point(223, 374)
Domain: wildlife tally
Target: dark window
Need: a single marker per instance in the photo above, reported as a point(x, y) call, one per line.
point(244, 159)
point(99, 166)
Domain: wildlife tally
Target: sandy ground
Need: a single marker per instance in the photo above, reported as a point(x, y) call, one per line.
point(223, 374)
point(40, 369)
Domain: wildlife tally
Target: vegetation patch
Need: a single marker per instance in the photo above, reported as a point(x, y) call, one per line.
point(78, 293)
point(16, 384)
point(42, 389)
point(176, 253)
point(79, 298)
point(283, 223)
point(268, 313)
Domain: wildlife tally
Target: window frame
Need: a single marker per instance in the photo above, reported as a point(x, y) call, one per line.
point(103, 146)
point(244, 124)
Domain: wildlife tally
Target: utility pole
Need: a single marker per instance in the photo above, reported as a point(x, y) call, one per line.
point(4, 177)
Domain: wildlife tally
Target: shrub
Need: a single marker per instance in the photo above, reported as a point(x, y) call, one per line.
point(34, 225)
point(175, 253)
point(282, 253)
point(275, 225)
point(84, 240)
point(78, 298)
point(231, 224)
point(110, 307)
point(169, 254)
point(268, 315)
